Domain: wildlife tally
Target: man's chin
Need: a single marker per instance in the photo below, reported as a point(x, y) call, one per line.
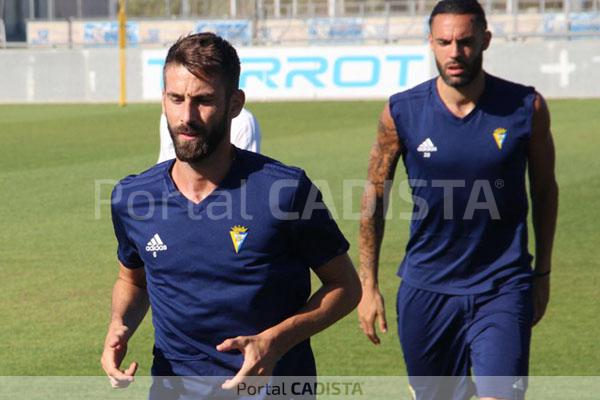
point(190, 155)
point(457, 81)
point(191, 158)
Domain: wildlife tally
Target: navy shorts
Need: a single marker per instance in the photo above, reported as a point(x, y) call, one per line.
point(202, 378)
point(447, 338)
point(189, 379)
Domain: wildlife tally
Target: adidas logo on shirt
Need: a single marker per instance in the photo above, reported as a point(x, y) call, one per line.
point(427, 147)
point(155, 244)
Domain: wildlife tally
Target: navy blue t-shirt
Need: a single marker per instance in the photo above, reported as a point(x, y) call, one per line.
point(235, 264)
point(468, 233)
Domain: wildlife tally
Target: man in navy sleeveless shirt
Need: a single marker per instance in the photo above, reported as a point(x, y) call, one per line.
point(220, 243)
point(469, 295)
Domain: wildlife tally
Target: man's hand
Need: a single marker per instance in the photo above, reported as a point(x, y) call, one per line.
point(541, 294)
point(115, 349)
point(338, 295)
point(370, 309)
point(260, 357)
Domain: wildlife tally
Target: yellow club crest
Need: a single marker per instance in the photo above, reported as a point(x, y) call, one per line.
point(238, 234)
point(499, 136)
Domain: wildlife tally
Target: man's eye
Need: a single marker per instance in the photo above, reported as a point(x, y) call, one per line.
point(205, 101)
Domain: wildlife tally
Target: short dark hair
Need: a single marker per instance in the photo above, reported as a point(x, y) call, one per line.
point(460, 7)
point(206, 55)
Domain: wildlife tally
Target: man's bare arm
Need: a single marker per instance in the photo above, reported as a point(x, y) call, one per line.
point(544, 202)
point(338, 295)
point(384, 157)
point(129, 306)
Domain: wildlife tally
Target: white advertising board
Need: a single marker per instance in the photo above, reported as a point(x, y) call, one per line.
point(305, 73)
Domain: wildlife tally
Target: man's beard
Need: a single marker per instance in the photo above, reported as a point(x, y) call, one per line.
point(204, 143)
point(470, 72)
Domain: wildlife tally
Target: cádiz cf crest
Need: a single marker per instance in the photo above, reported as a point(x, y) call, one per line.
point(499, 136)
point(238, 235)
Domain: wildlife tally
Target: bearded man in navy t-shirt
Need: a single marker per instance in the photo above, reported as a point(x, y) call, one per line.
point(220, 242)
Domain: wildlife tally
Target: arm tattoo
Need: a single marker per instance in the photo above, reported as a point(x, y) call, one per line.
point(382, 164)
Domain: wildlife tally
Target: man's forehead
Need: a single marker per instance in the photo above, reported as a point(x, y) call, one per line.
point(460, 25)
point(180, 72)
point(178, 77)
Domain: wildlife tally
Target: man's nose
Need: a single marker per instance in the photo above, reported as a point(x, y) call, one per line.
point(189, 113)
point(455, 50)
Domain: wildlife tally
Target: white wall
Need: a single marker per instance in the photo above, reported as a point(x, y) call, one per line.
point(558, 69)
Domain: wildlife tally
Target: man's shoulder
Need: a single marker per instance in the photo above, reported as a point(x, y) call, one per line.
point(420, 91)
point(268, 168)
point(148, 180)
point(505, 97)
point(506, 87)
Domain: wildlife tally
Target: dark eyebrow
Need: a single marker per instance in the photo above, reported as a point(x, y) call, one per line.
point(200, 97)
point(203, 97)
point(462, 41)
point(466, 40)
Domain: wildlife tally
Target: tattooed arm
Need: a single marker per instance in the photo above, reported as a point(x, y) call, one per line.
point(382, 165)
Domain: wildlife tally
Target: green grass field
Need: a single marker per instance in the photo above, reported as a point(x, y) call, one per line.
point(58, 263)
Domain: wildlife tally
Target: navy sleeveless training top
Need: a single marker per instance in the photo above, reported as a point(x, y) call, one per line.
point(468, 232)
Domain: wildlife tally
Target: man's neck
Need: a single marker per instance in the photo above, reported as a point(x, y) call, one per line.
point(461, 101)
point(198, 180)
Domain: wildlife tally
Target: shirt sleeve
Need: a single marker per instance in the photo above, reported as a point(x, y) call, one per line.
point(316, 238)
point(255, 145)
point(167, 149)
point(127, 252)
point(245, 132)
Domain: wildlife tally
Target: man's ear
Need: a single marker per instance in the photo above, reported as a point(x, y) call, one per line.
point(487, 38)
point(236, 102)
point(162, 101)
